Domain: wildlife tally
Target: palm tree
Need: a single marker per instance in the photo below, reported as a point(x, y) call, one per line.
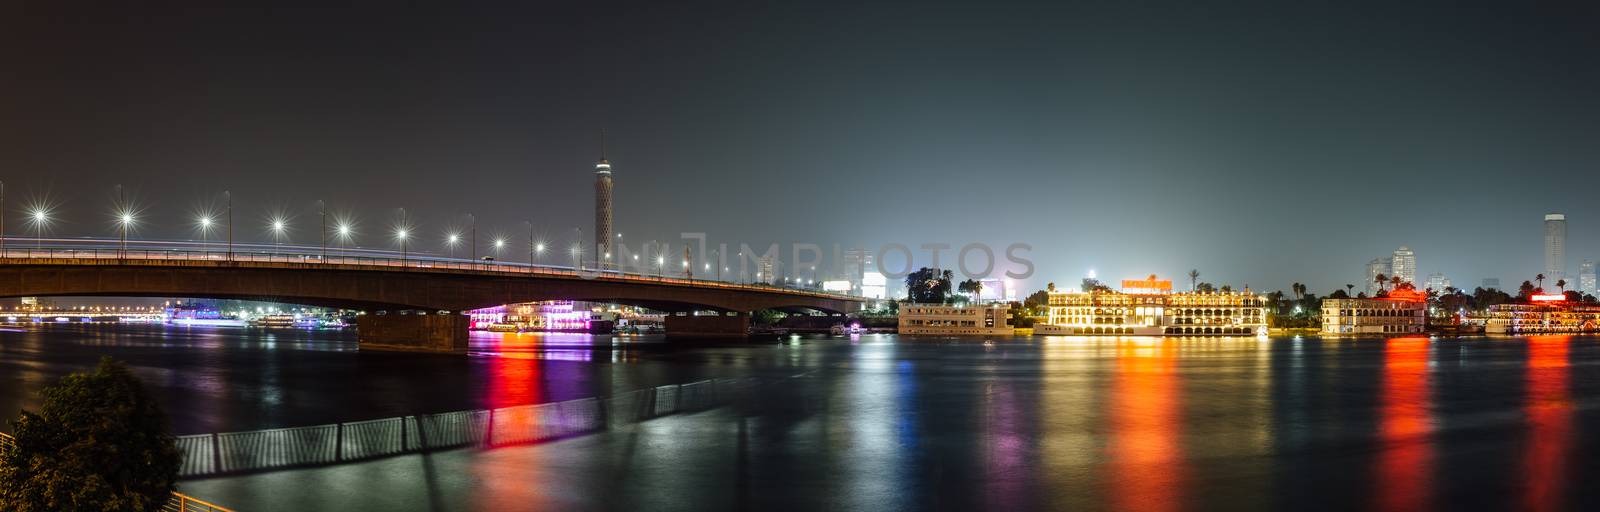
point(1349, 289)
point(1381, 280)
point(1540, 279)
point(1562, 284)
point(1395, 280)
point(1194, 276)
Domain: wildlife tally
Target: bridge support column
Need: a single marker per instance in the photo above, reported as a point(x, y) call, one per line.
point(726, 325)
point(414, 333)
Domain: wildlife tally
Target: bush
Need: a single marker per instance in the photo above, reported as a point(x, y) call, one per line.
point(98, 443)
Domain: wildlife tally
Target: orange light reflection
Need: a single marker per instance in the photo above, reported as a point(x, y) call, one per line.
point(1147, 469)
point(1548, 407)
point(1405, 462)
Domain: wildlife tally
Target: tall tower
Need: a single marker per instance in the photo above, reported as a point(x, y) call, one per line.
point(1405, 265)
point(1381, 265)
point(1555, 246)
point(602, 204)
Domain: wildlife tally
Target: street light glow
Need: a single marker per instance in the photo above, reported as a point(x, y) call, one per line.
point(499, 242)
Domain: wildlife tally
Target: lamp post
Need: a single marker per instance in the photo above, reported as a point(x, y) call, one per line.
point(402, 235)
point(123, 217)
point(277, 234)
point(530, 241)
point(228, 196)
point(322, 210)
point(345, 235)
point(472, 221)
point(205, 232)
point(2, 219)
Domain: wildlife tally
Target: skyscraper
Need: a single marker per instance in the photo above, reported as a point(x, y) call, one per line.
point(1378, 266)
point(1555, 246)
point(1586, 282)
point(1405, 265)
point(1437, 282)
point(602, 203)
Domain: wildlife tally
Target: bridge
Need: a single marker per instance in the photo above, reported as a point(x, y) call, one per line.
point(409, 303)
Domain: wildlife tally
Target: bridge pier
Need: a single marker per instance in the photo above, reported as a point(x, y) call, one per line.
point(725, 325)
point(445, 333)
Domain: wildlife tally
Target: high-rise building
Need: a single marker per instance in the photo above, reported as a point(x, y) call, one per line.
point(1437, 282)
point(1375, 267)
point(1555, 246)
point(1586, 282)
point(602, 203)
point(1405, 265)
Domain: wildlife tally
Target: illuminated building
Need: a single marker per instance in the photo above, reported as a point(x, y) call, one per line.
point(1544, 314)
point(1586, 281)
point(555, 315)
point(1555, 246)
point(1437, 282)
point(1376, 267)
point(602, 203)
point(874, 285)
point(1403, 311)
point(1148, 307)
point(940, 319)
point(1404, 265)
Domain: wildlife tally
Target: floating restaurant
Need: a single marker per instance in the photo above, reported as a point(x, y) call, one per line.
point(1149, 307)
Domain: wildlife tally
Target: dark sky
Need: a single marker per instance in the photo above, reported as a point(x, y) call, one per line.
point(1262, 144)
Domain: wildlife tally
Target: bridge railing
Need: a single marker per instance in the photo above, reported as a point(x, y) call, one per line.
point(96, 254)
point(263, 450)
point(178, 503)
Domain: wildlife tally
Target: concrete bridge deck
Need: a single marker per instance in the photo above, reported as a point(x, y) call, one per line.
point(404, 297)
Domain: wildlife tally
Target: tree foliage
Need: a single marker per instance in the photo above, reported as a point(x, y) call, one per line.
point(98, 442)
point(929, 285)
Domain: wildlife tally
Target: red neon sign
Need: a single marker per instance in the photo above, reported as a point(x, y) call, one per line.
point(1548, 297)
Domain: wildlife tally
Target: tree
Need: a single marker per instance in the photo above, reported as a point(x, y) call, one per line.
point(1194, 277)
point(98, 442)
point(1562, 284)
point(1540, 279)
point(1381, 280)
point(928, 285)
point(1227, 288)
point(1090, 284)
point(1349, 289)
point(1050, 286)
point(971, 287)
point(1526, 290)
point(1339, 294)
point(1038, 299)
point(1395, 280)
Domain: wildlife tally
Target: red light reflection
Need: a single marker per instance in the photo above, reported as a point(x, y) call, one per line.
point(1147, 469)
point(1405, 464)
point(1548, 407)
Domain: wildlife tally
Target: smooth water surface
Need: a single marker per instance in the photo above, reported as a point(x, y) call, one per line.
point(890, 423)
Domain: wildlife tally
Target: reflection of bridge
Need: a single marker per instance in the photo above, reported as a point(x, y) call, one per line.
point(411, 303)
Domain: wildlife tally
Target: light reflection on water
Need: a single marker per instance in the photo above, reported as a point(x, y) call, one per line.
point(884, 422)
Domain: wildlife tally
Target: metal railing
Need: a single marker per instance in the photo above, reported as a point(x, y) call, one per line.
point(93, 252)
point(262, 450)
point(178, 503)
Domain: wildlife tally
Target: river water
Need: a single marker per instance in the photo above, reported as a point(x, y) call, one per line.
point(881, 422)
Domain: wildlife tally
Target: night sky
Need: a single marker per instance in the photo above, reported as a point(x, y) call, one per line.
point(1261, 144)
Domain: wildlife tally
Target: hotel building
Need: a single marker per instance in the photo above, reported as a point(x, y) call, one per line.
point(1555, 246)
point(1405, 265)
point(969, 320)
point(1402, 312)
point(1378, 266)
point(1544, 315)
point(1148, 307)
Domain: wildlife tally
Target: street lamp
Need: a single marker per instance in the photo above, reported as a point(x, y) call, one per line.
point(451, 241)
point(499, 243)
point(39, 217)
point(203, 223)
point(278, 227)
point(344, 233)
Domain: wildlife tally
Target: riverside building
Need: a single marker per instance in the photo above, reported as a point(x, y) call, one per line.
point(968, 320)
point(1401, 312)
point(1148, 307)
point(1544, 314)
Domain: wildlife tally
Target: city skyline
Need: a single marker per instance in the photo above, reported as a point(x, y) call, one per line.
point(1266, 156)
